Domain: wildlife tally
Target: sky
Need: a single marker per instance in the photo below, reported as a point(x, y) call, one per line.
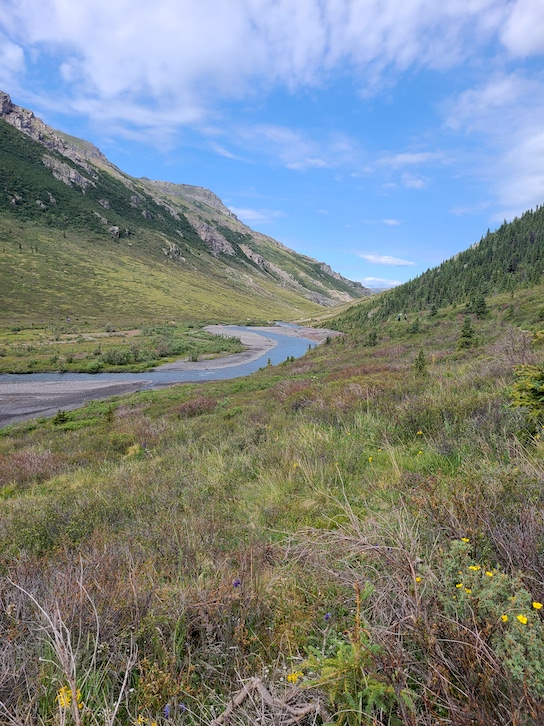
point(378, 136)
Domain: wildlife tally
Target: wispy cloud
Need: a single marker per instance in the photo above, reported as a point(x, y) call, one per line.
point(413, 182)
point(297, 149)
point(391, 222)
point(379, 282)
point(257, 216)
point(506, 115)
point(169, 54)
point(398, 161)
point(385, 260)
point(473, 209)
point(222, 151)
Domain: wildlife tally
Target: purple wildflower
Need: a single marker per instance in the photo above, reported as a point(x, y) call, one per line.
point(237, 582)
point(167, 711)
point(328, 617)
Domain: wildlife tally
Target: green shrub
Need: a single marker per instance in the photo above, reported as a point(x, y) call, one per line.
point(528, 390)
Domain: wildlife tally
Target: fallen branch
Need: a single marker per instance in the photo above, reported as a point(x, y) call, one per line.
point(256, 685)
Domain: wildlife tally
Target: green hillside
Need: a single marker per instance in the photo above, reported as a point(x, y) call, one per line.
point(507, 260)
point(329, 534)
point(79, 238)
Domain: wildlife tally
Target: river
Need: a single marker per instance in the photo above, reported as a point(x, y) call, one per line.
point(24, 396)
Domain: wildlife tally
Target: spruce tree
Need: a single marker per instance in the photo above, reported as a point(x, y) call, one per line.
point(420, 364)
point(468, 336)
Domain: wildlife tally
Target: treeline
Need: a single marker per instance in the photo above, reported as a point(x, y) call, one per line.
point(504, 260)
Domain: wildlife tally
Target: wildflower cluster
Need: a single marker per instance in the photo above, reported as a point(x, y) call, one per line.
point(499, 605)
point(294, 677)
point(64, 697)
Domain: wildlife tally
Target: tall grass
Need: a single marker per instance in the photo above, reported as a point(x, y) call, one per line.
point(185, 540)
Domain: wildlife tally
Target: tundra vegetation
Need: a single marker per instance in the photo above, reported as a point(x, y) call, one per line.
point(68, 346)
point(351, 537)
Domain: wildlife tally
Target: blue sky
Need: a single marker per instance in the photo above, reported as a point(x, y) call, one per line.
point(379, 136)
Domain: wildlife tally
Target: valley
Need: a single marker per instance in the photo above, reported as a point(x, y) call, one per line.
point(348, 533)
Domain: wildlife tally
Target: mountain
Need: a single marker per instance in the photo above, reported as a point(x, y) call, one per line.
point(506, 260)
point(78, 236)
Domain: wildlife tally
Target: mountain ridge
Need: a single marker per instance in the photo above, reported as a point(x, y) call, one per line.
point(187, 225)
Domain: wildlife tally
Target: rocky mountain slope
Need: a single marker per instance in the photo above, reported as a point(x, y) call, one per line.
point(57, 190)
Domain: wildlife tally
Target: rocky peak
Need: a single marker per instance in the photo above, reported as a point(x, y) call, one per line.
point(32, 126)
point(6, 105)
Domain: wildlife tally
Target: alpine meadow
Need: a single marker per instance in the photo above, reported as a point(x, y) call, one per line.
point(352, 537)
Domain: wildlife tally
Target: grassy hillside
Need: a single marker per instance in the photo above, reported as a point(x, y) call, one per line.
point(46, 276)
point(362, 530)
point(78, 238)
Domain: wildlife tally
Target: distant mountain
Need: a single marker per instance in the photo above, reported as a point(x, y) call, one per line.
point(76, 231)
point(505, 260)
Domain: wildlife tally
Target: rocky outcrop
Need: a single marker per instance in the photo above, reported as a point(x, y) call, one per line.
point(83, 153)
point(266, 265)
point(200, 195)
point(174, 252)
point(352, 283)
point(214, 239)
point(100, 217)
point(66, 173)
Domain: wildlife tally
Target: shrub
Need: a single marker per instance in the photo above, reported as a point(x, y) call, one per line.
point(528, 390)
point(196, 407)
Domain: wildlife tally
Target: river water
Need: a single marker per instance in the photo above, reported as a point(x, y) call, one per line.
point(286, 346)
point(24, 396)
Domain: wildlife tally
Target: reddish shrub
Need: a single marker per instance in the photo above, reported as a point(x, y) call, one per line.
point(196, 407)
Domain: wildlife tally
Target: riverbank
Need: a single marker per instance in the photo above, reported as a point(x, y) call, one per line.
point(29, 398)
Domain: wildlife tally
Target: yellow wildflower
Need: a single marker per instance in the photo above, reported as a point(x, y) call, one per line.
point(295, 464)
point(465, 540)
point(522, 619)
point(475, 568)
point(489, 573)
point(64, 697)
point(294, 676)
point(369, 458)
point(537, 605)
point(504, 618)
point(419, 453)
point(460, 584)
point(419, 433)
point(140, 720)
point(379, 450)
point(418, 579)
point(468, 591)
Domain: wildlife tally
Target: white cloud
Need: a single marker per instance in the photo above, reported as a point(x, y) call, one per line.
point(523, 32)
point(182, 58)
point(219, 149)
point(413, 182)
point(474, 209)
point(397, 161)
point(379, 282)
point(296, 149)
point(506, 116)
point(385, 260)
point(12, 61)
point(391, 222)
point(256, 216)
